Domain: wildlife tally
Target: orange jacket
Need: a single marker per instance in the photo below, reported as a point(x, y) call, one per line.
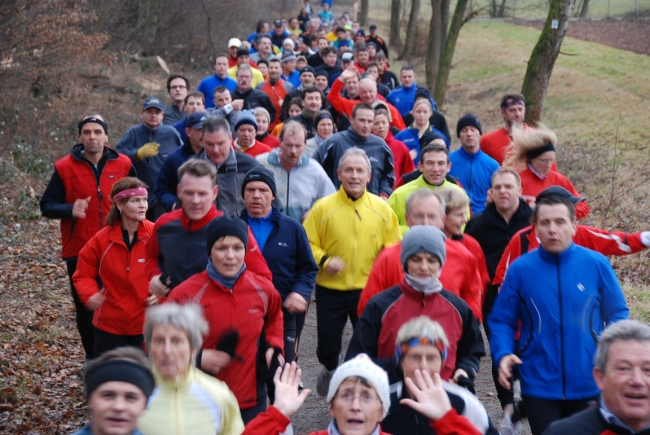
point(125, 282)
point(343, 105)
point(277, 92)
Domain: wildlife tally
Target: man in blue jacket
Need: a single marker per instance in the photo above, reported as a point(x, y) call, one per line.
point(285, 247)
point(563, 296)
point(403, 97)
point(471, 166)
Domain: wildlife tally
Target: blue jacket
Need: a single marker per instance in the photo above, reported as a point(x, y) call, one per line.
point(208, 85)
point(180, 128)
point(564, 302)
point(410, 138)
point(167, 181)
point(288, 255)
point(404, 98)
point(474, 171)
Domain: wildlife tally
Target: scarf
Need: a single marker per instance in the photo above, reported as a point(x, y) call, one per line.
point(333, 429)
point(539, 175)
point(423, 130)
point(428, 286)
point(226, 282)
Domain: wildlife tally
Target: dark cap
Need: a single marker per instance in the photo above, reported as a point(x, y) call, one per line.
point(429, 137)
point(277, 23)
point(226, 226)
point(559, 192)
point(322, 72)
point(243, 51)
point(195, 120)
point(308, 69)
point(361, 32)
point(468, 120)
point(259, 173)
point(372, 27)
point(153, 102)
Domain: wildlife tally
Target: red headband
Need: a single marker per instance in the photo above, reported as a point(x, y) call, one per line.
point(138, 191)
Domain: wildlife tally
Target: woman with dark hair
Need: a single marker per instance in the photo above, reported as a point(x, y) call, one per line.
point(116, 256)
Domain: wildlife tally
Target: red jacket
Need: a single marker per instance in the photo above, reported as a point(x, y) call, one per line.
point(254, 150)
point(473, 246)
point(79, 182)
point(277, 92)
point(125, 282)
point(270, 140)
point(253, 306)
point(607, 243)
point(177, 249)
point(403, 161)
point(532, 186)
point(343, 105)
point(273, 422)
point(459, 275)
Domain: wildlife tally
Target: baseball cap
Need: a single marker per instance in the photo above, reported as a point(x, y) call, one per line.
point(152, 102)
point(347, 57)
point(277, 23)
point(195, 120)
point(560, 192)
point(373, 27)
point(234, 42)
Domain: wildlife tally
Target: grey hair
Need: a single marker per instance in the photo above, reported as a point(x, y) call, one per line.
point(188, 317)
point(214, 124)
point(424, 193)
point(421, 326)
point(625, 330)
point(354, 151)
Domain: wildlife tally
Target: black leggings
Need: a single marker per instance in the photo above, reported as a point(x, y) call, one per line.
point(293, 323)
point(542, 412)
point(333, 308)
point(83, 317)
point(105, 341)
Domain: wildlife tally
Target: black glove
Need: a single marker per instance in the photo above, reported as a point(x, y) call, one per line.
point(265, 372)
point(467, 383)
point(228, 342)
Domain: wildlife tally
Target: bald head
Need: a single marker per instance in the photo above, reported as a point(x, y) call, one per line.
point(368, 90)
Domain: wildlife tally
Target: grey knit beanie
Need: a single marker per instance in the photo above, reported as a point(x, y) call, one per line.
point(423, 238)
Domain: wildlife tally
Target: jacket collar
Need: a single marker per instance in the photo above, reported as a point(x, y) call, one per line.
point(562, 256)
point(467, 156)
point(191, 225)
point(115, 233)
point(343, 196)
point(108, 154)
point(274, 159)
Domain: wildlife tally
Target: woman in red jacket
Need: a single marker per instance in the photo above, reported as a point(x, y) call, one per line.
point(116, 256)
point(245, 338)
point(532, 153)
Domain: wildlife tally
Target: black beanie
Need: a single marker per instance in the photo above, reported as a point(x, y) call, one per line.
point(468, 119)
point(259, 173)
point(226, 226)
point(429, 137)
point(119, 370)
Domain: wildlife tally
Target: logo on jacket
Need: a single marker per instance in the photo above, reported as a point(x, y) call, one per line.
point(373, 159)
point(581, 287)
point(283, 244)
point(141, 260)
point(253, 311)
point(111, 176)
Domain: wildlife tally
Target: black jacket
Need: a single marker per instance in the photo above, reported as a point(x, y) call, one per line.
point(254, 98)
point(589, 422)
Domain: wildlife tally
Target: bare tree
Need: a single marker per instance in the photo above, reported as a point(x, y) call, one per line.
point(434, 48)
point(411, 31)
point(543, 57)
point(363, 16)
point(395, 9)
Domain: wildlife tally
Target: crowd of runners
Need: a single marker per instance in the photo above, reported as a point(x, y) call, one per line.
point(307, 173)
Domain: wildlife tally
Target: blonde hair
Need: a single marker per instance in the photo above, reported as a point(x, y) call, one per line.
point(454, 198)
point(525, 141)
point(422, 101)
point(262, 111)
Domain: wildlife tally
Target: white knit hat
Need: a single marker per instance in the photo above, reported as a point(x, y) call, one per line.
point(363, 367)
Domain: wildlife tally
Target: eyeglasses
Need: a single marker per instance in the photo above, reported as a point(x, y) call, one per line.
point(364, 398)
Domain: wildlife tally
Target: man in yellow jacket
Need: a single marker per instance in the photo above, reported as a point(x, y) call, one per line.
point(434, 165)
point(346, 231)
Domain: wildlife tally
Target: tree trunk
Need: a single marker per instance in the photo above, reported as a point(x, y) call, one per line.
point(395, 8)
point(502, 9)
point(448, 52)
point(363, 19)
point(433, 49)
point(149, 10)
point(493, 8)
point(411, 31)
point(585, 9)
point(444, 21)
point(543, 57)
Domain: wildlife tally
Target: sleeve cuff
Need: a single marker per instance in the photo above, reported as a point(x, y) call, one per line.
point(645, 238)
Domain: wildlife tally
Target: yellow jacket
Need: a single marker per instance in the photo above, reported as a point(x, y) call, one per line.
point(354, 231)
point(257, 78)
point(196, 405)
point(397, 201)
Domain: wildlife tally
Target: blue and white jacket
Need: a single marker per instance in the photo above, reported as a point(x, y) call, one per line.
point(564, 302)
point(474, 171)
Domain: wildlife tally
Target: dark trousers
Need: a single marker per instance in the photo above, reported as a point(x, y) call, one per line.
point(293, 323)
point(504, 395)
point(333, 308)
point(542, 412)
point(105, 341)
point(83, 317)
point(250, 413)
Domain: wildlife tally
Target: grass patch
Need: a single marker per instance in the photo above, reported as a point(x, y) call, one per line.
point(638, 299)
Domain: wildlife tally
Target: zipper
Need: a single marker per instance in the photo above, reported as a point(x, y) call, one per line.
point(286, 204)
point(559, 290)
